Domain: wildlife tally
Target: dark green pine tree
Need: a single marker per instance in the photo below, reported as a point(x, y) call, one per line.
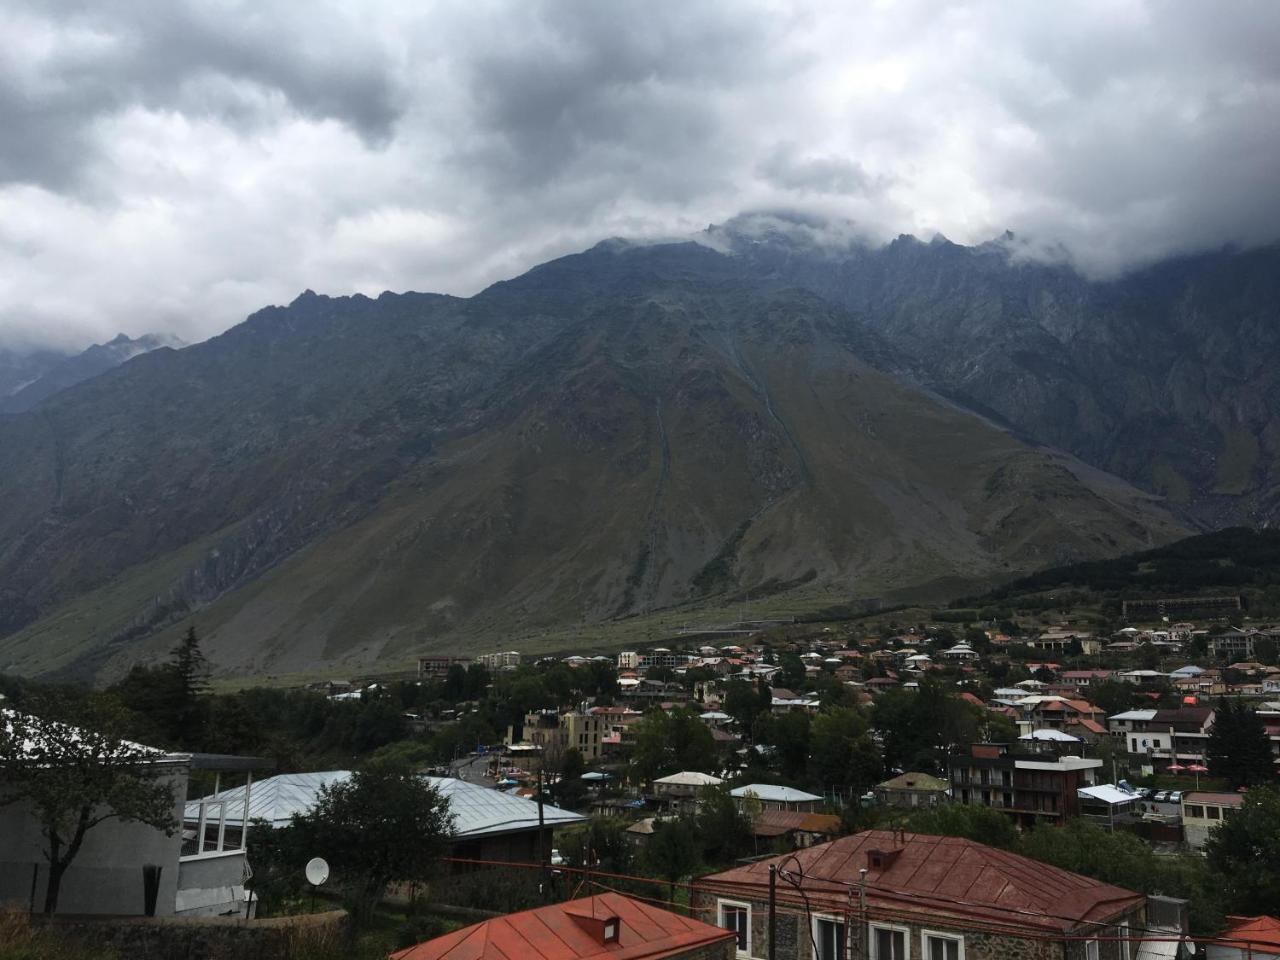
point(1238, 749)
point(190, 672)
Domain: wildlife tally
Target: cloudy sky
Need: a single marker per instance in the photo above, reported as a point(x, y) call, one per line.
point(174, 165)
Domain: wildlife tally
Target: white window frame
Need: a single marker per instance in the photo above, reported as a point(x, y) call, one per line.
point(940, 935)
point(1122, 930)
point(839, 921)
point(871, 936)
point(1092, 950)
point(720, 905)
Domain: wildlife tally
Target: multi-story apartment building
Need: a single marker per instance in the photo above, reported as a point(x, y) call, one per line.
point(1160, 737)
point(628, 660)
point(1031, 782)
point(506, 660)
point(437, 666)
point(1234, 644)
point(555, 733)
point(662, 657)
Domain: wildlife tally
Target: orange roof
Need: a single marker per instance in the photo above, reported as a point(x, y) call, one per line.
point(1257, 932)
point(936, 878)
point(1093, 726)
point(572, 931)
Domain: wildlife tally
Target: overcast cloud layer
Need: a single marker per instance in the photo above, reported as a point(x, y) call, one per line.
point(172, 166)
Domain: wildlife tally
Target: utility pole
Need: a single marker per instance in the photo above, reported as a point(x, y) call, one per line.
point(773, 909)
point(542, 840)
point(864, 933)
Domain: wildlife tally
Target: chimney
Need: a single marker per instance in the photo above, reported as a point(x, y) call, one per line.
point(881, 859)
point(601, 929)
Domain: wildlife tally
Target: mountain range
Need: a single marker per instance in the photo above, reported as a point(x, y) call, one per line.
point(29, 376)
point(635, 432)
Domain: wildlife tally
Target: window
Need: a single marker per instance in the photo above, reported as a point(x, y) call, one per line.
point(1195, 811)
point(829, 938)
point(941, 946)
point(737, 917)
point(888, 943)
point(1091, 950)
point(1212, 813)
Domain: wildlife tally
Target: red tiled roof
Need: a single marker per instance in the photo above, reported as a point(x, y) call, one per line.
point(968, 697)
point(556, 933)
point(1257, 932)
point(938, 878)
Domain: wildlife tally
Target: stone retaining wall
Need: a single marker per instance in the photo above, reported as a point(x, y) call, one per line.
point(210, 938)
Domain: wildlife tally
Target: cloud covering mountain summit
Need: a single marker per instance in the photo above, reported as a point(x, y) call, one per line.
point(170, 166)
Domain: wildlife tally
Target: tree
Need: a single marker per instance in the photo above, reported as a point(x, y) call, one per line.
point(1121, 858)
point(190, 666)
point(1266, 651)
point(671, 742)
point(671, 851)
point(603, 844)
point(569, 789)
point(172, 695)
point(75, 773)
point(1244, 851)
point(384, 824)
point(980, 824)
point(724, 829)
point(918, 728)
point(1112, 696)
point(792, 674)
point(1238, 748)
point(744, 701)
point(788, 734)
point(841, 752)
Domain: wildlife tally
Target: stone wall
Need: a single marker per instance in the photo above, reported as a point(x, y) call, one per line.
point(210, 938)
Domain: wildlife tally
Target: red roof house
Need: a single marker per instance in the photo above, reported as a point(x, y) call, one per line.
point(920, 886)
point(609, 925)
point(1248, 936)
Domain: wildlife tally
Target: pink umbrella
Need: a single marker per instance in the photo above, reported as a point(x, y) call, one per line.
point(1175, 768)
point(1197, 769)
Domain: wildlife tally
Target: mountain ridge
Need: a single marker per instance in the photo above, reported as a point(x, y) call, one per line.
point(343, 481)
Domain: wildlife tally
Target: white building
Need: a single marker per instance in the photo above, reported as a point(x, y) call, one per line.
point(506, 660)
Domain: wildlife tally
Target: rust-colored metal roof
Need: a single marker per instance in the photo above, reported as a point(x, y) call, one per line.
point(564, 931)
point(1259, 933)
point(774, 823)
point(936, 878)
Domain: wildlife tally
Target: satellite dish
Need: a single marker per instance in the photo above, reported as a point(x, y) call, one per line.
point(317, 871)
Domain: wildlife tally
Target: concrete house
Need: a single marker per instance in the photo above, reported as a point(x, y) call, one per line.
point(682, 790)
point(882, 895)
point(770, 796)
point(1202, 813)
point(1035, 781)
point(913, 790)
point(133, 869)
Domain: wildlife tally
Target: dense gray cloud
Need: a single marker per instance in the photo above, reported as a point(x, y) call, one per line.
point(172, 165)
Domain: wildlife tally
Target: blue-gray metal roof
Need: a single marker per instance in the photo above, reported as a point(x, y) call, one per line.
point(477, 811)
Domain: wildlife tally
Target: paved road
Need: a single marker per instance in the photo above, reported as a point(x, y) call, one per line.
point(473, 770)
